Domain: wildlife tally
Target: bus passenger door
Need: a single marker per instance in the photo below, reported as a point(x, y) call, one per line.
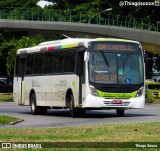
point(81, 73)
point(21, 73)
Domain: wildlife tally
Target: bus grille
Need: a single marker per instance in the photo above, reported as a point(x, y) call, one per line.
point(109, 103)
point(118, 89)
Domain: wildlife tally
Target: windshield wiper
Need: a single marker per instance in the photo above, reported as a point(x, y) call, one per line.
point(105, 59)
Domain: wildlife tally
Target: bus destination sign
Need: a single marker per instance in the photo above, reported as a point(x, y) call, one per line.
point(115, 46)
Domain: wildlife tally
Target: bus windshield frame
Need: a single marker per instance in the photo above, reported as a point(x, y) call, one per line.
point(116, 66)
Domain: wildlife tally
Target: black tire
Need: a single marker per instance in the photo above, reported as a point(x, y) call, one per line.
point(72, 108)
point(34, 108)
point(120, 113)
point(81, 112)
point(76, 112)
point(43, 110)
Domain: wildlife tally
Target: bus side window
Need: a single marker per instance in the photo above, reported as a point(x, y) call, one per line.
point(37, 67)
point(29, 66)
point(47, 62)
point(58, 61)
point(69, 64)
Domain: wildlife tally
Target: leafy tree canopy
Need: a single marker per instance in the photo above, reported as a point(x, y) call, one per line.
point(10, 42)
point(9, 47)
point(151, 12)
point(18, 3)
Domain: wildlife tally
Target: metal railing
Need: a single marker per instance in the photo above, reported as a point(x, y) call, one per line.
point(81, 17)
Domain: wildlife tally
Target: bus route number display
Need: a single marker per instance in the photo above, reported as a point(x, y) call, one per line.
point(114, 46)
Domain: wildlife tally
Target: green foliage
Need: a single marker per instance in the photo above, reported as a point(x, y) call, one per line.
point(98, 5)
point(10, 44)
point(81, 11)
point(5, 97)
point(88, 7)
point(1, 38)
point(9, 48)
point(18, 3)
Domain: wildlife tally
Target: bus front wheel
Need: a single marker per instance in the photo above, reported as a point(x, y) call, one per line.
point(120, 113)
point(75, 112)
point(72, 108)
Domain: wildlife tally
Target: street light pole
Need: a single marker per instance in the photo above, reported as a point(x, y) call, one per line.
point(98, 13)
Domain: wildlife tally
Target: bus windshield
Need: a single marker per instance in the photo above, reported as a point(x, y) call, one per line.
point(115, 68)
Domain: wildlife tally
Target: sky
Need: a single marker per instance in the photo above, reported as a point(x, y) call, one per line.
point(43, 3)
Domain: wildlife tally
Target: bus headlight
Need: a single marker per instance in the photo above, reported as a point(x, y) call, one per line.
point(93, 90)
point(139, 92)
point(149, 92)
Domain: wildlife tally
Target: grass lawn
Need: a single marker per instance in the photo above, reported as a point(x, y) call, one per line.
point(7, 119)
point(128, 133)
point(135, 133)
point(145, 132)
point(6, 97)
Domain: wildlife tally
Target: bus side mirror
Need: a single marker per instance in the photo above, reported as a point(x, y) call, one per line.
point(86, 56)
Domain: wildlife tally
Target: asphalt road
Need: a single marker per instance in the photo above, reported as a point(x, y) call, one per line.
point(60, 118)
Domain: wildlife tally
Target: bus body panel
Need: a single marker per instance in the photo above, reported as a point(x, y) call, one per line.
point(72, 82)
point(27, 89)
point(18, 91)
point(58, 90)
point(49, 90)
point(15, 89)
point(42, 87)
point(60, 85)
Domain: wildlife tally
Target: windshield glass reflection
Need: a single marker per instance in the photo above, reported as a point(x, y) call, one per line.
point(115, 68)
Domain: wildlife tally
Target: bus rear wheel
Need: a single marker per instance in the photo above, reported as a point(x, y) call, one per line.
point(120, 113)
point(34, 108)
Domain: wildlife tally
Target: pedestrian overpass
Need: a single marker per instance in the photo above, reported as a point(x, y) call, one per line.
point(126, 28)
point(150, 40)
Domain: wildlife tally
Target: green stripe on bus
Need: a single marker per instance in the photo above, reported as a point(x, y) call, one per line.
point(116, 95)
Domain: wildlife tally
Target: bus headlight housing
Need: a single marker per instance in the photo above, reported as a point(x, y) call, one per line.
point(139, 92)
point(93, 90)
point(149, 92)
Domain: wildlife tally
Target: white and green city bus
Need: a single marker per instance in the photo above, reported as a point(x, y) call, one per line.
point(81, 74)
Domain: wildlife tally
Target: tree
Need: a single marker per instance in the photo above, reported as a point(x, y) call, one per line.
point(148, 64)
point(9, 47)
point(151, 12)
point(24, 42)
point(18, 3)
point(157, 62)
point(4, 48)
point(11, 41)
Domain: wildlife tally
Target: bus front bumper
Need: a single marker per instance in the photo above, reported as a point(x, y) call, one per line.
point(97, 102)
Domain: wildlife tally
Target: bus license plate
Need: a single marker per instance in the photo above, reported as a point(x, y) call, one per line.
point(117, 102)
